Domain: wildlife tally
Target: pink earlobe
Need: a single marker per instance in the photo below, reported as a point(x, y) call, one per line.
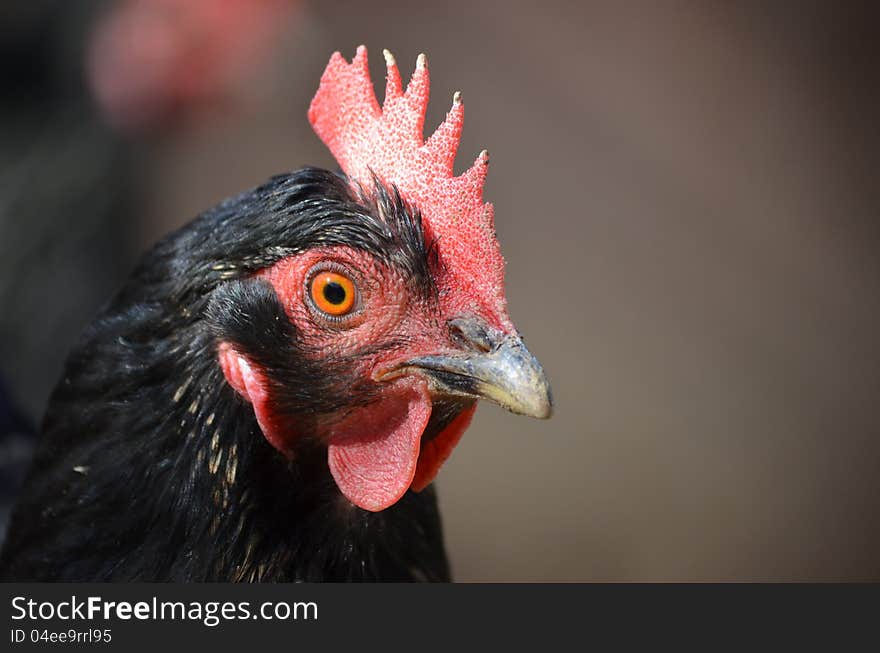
point(231, 364)
point(249, 381)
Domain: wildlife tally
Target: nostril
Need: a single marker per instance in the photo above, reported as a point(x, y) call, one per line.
point(470, 333)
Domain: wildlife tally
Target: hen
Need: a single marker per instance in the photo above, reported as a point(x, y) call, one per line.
point(272, 392)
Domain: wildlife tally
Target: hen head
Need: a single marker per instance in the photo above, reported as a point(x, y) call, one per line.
point(398, 323)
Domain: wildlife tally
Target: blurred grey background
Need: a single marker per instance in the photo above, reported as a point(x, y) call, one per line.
point(687, 198)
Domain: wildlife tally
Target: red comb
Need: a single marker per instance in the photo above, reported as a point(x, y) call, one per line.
point(388, 141)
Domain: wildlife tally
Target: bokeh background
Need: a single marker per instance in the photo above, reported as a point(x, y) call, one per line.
point(686, 194)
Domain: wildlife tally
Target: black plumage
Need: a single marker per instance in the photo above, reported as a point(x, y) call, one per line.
point(152, 468)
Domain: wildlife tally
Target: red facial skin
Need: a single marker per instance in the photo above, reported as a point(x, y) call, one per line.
point(374, 451)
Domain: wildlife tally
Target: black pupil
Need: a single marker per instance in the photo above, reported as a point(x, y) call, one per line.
point(334, 293)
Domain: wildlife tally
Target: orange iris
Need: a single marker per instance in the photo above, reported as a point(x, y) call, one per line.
point(333, 293)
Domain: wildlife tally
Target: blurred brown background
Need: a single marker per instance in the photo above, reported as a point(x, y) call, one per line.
point(686, 196)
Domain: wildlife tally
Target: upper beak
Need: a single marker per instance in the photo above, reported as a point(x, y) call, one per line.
point(491, 365)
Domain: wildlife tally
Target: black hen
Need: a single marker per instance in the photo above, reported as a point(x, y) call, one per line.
point(270, 396)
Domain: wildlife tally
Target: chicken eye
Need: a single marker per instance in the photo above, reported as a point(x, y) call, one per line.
point(333, 293)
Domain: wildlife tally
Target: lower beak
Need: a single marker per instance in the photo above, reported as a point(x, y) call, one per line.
point(502, 370)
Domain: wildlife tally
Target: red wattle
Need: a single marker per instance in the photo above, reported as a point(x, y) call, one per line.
point(435, 452)
point(374, 451)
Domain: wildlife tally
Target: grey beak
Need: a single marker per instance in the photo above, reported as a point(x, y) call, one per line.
point(491, 366)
